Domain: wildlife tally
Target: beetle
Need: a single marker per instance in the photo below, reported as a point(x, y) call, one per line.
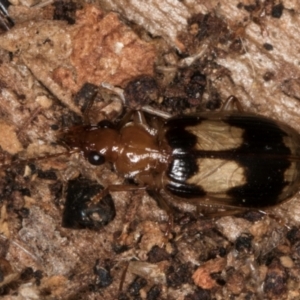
point(228, 159)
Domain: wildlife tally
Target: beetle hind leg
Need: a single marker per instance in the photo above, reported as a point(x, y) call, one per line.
point(163, 204)
point(232, 103)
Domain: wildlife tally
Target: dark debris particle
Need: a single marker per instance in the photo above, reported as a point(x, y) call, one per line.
point(23, 212)
point(268, 46)
point(79, 213)
point(218, 278)
point(102, 272)
point(291, 87)
point(296, 250)
point(135, 287)
point(214, 102)
point(293, 235)
point(85, 96)
point(250, 296)
point(25, 192)
point(250, 8)
point(157, 254)
point(27, 274)
point(33, 168)
point(253, 216)
point(1, 276)
point(186, 90)
point(275, 283)
point(65, 10)
point(237, 46)
point(195, 88)
point(118, 249)
point(13, 181)
point(4, 246)
point(212, 253)
point(209, 25)
point(5, 268)
point(123, 296)
point(184, 218)
point(235, 281)
point(267, 259)
point(222, 251)
point(199, 294)
point(54, 127)
point(21, 97)
point(240, 5)
point(178, 275)
point(140, 92)
point(56, 190)
point(3, 85)
point(154, 292)
point(277, 11)
point(47, 175)
point(176, 104)
point(268, 75)
point(38, 275)
point(244, 242)
point(70, 119)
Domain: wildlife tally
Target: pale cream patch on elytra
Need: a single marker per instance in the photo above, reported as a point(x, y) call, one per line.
point(218, 175)
point(291, 177)
point(216, 136)
point(291, 172)
point(293, 144)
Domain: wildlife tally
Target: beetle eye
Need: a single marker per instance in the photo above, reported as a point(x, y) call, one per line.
point(95, 158)
point(105, 124)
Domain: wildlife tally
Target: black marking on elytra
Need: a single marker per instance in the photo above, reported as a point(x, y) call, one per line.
point(183, 121)
point(180, 189)
point(263, 155)
point(183, 164)
point(265, 167)
point(182, 167)
point(261, 135)
point(179, 139)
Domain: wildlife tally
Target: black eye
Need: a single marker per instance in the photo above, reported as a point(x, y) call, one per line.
point(95, 158)
point(105, 124)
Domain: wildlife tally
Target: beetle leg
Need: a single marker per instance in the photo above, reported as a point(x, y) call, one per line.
point(138, 117)
point(116, 188)
point(5, 21)
point(125, 119)
point(221, 213)
point(230, 103)
point(88, 107)
point(277, 219)
point(6, 163)
point(163, 204)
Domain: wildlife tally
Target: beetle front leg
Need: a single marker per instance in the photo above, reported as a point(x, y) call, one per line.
point(115, 188)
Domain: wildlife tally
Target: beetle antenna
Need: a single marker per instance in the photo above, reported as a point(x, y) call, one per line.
point(34, 159)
